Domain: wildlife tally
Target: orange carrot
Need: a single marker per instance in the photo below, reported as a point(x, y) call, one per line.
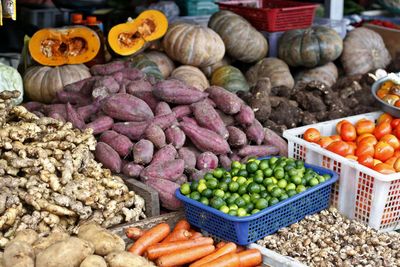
point(225, 249)
point(240, 249)
point(185, 256)
point(177, 235)
point(227, 260)
point(220, 244)
point(250, 258)
point(151, 237)
point(182, 224)
point(134, 233)
point(196, 235)
point(158, 250)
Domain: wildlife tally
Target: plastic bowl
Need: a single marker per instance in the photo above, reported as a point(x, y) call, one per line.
point(392, 110)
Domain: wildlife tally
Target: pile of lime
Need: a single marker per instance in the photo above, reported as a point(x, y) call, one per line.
point(253, 186)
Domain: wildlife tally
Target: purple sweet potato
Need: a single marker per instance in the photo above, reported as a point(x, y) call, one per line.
point(166, 192)
point(175, 136)
point(73, 98)
point(226, 101)
point(189, 120)
point(234, 157)
point(227, 119)
point(57, 116)
point(167, 153)
point(118, 142)
point(126, 107)
point(198, 174)
point(165, 121)
point(148, 98)
point(167, 170)
point(87, 111)
point(84, 86)
point(182, 111)
point(139, 86)
point(38, 113)
point(74, 118)
point(132, 169)
point(55, 108)
point(156, 135)
point(204, 139)
point(207, 160)
point(177, 92)
point(225, 162)
point(188, 156)
point(210, 102)
point(133, 130)
point(255, 132)
point(258, 151)
point(245, 115)
point(272, 138)
point(105, 86)
point(182, 179)
point(162, 108)
point(118, 76)
point(101, 124)
point(131, 74)
point(123, 86)
point(143, 152)
point(33, 106)
point(237, 137)
point(107, 69)
point(108, 157)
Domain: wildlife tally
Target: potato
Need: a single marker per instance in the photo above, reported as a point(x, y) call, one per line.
point(126, 259)
point(67, 253)
point(93, 261)
point(103, 240)
point(18, 254)
point(27, 236)
point(46, 241)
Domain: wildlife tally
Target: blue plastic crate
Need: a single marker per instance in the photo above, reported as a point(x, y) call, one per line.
point(246, 230)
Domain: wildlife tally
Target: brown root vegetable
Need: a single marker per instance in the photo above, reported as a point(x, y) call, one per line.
point(165, 121)
point(188, 156)
point(72, 98)
point(207, 160)
point(93, 261)
point(237, 138)
point(206, 116)
point(227, 119)
point(167, 170)
point(143, 152)
point(226, 101)
point(47, 240)
point(326, 74)
point(166, 191)
point(100, 125)
point(182, 111)
point(156, 135)
point(245, 115)
point(133, 130)
point(127, 259)
point(74, 118)
point(204, 139)
point(120, 143)
point(176, 92)
point(27, 236)
point(103, 240)
point(260, 99)
point(106, 155)
point(225, 161)
point(162, 108)
point(175, 136)
point(86, 111)
point(18, 254)
point(107, 69)
point(167, 153)
point(132, 169)
point(148, 98)
point(271, 138)
point(255, 132)
point(258, 151)
point(139, 86)
point(70, 252)
point(126, 107)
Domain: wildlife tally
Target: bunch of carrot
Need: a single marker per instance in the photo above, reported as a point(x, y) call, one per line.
point(183, 246)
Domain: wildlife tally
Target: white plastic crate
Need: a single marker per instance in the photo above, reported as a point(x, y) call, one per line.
point(274, 259)
point(360, 193)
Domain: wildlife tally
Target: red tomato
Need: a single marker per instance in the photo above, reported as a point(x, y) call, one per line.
point(396, 153)
point(391, 161)
point(361, 137)
point(336, 137)
point(366, 160)
point(325, 141)
point(385, 117)
point(377, 161)
point(339, 147)
point(339, 125)
point(312, 135)
point(391, 140)
point(384, 168)
point(365, 149)
point(382, 129)
point(396, 131)
point(394, 123)
point(365, 126)
point(383, 151)
point(396, 165)
point(348, 132)
point(369, 140)
point(397, 104)
point(352, 147)
point(381, 93)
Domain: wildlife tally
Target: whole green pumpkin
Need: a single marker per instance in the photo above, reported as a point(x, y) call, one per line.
point(230, 78)
point(310, 47)
point(143, 63)
point(11, 80)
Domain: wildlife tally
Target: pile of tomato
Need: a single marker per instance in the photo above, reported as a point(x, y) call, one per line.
point(389, 92)
point(375, 145)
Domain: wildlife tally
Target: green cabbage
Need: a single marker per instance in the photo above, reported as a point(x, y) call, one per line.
point(11, 80)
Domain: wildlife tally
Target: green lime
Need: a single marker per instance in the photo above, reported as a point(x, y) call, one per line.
point(224, 209)
point(321, 179)
point(201, 187)
point(233, 212)
point(235, 195)
point(253, 188)
point(290, 186)
point(249, 181)
point(243, 167)
point(257, 161)
point(300, 188)
point(308, 176)
point(264, 194)
point(279, 173)
point(262, 188)
point(258, 179)
point(249, 207)
point(254, 197)
point(202, 181)
point(217, 173)
point(271, 187)
point(240, 202)
point(194, 185)
point(231, 200)
point(227, 195)
point(274, 180)
point(268, 172)
point(263, 165)
point(223, 186)
point(255, 211)
point(243, 173)
point(292, 172)
point(195, 196)
point(233, 186)
point(313, 182)
point(296, 180)
point(185, 189)
point(246, 198)
point(327, 176)
point(267, 198)
point(251, 167)
point(272, 160)
point(283, 197)
point(233, 207)
point(208, 176)
point(242, 189)
point(204, 200)
point(273, 201)
point(241, 180)
point(291, 192)
point(282, 183)
point(236, 165)
point(207, 193)
point(218, 193)
point(277, 192)
point(217, 202)
point(304, 182)
point(212, 184)
point(259, 173)
point(251, 159)
point(268, 181)
point(234, 172)
point(241, 212)
point(235, 178)
point(299, 164)
point(261, 204)
point(226, 179)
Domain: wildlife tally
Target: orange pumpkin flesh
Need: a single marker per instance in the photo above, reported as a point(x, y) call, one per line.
point(71, 45)
point(127, 38)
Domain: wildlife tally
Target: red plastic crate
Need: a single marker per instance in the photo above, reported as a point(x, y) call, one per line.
point(274, 15)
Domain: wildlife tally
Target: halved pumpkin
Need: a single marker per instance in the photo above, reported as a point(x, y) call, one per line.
point(128, 38)
point(60, 46)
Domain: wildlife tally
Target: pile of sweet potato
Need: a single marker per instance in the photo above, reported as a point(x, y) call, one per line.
point(162, 133)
